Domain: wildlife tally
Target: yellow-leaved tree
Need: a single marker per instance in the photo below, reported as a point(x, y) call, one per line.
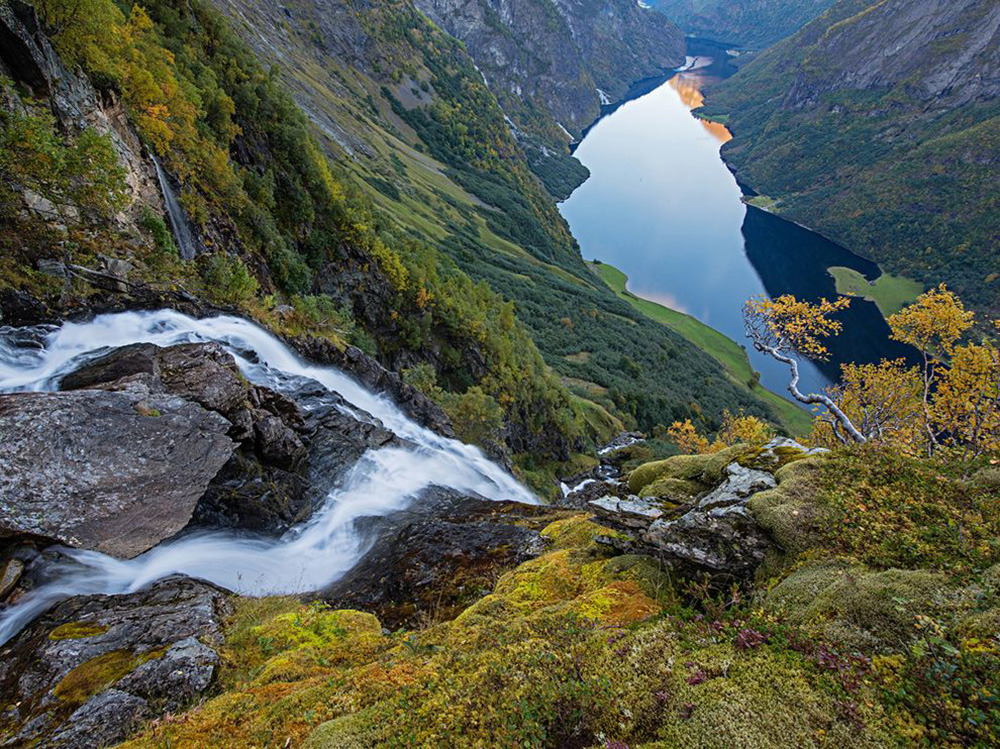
point(686, 437)
point(786, 328)
point(950, 403)
point(883, 400)
point(933, 325)
point(743, 429)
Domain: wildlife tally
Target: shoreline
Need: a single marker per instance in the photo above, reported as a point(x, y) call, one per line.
point(731, 355)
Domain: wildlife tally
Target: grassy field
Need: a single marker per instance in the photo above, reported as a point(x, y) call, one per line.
point(709, 340)
point(890, 293)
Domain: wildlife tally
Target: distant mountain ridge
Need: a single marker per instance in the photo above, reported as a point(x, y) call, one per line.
point(878, 124)
point(751, 23)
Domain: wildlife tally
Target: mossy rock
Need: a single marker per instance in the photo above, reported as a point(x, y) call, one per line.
point(981, 625)
point(859, 608)
point(316, 627)
point(707, 469)
point(617, 604)
point(645, 571)
point(988, 478)
point(771, 459)
point(757, 699)
point(674, 490)
point(577, 532)
point(99, 673)
point(352, 731)
point(794, 513)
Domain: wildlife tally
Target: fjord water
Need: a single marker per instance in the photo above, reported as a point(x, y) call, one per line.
point(661, 206)
point(307, 557)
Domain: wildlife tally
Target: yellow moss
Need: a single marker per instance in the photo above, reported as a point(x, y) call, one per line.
point(647, 572)
point(576, 532)
point(548, 579)
point(677, 491)
point(705, 469)
point(77, 630)
point(93, 676)
point(617, 604)
point(317, 627)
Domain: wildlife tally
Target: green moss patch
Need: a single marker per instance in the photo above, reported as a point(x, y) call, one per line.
point(77, 630)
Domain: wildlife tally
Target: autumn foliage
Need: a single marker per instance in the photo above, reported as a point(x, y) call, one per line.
point(948, 405)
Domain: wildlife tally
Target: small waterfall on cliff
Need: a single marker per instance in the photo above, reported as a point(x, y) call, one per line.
point(306, 558)
point(186, 244)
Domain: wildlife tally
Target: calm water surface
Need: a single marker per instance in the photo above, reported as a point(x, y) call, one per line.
point(662, 206)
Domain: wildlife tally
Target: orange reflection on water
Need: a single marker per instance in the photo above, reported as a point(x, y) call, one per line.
point(688, 87)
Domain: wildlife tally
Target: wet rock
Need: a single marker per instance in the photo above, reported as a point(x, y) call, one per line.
point(277, 445)
point(377, 378)
point(113, 471)
point(339, 441)
point(263, 487)
point(102, 721)
point(20, 308)
point(90, 670)
point(246, 494)
point(435, 560)
point(10, 574)
point(201, 372)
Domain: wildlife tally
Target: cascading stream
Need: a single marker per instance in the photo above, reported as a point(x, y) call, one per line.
point(304, 559)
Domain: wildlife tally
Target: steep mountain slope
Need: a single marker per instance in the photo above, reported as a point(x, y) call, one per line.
point(427, 193)
point(401, 106)
point(750, 23)
point(879, 125)
point(552, 63)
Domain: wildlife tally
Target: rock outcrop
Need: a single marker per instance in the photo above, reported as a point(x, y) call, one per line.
point(117, 472)
point(288, 457)
point(89, 671)
point(432, 562)
point(691, 511)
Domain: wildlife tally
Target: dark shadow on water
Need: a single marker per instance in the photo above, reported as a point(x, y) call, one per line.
point(792, 260)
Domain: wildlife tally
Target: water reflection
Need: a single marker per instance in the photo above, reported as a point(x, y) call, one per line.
point(689, 87)
point(663, 207)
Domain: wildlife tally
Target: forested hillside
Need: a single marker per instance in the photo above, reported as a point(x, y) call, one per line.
point(755, 24)
point(877, 125)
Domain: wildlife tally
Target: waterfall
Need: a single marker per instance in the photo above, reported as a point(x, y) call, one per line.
point(186, 244)
point(306, 558)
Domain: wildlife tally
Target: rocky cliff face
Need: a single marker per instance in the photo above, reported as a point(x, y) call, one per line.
point(945, 53)
point(552, 63)
point(751, 23)
point(876, 124)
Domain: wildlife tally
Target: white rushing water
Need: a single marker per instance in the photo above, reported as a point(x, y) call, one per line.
point(304, 559)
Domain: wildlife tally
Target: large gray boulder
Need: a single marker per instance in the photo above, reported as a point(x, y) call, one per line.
point(89, 671)
point(713, 533)
point(117, 472)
